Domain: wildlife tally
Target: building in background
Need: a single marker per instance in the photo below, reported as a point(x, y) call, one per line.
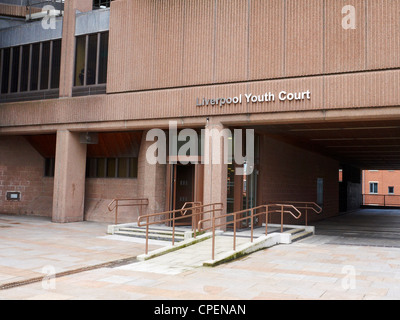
point(381, 187)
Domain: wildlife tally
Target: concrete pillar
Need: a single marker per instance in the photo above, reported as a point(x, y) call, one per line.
point(68, 43)
point(151, 180)
point(215, 167)
point(69, 178)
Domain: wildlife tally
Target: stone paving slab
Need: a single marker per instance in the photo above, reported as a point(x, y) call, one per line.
point(31, 245)
point(309, 269)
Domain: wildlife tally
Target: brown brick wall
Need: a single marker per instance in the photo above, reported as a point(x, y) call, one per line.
point(100, 192)
point(21, 169)
point(288, 173)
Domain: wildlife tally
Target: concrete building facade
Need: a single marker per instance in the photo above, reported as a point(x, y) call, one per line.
point(317, 81)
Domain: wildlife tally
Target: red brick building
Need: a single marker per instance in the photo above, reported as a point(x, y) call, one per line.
point(381, 187)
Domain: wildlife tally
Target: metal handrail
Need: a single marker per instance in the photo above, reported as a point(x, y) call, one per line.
point(196, 211)
point(193, 203)
point(115, 204)
point(284, 208)
point(303, 205)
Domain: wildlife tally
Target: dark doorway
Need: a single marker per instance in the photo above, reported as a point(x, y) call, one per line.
point(183, 188)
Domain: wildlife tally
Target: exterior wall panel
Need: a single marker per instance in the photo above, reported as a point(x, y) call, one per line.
point(266, 39)
point(345, 49)
point(168, 43)
point(304, 37)
point(231, 43)
point(383, 41)
point(183, 43)
point(199, 42)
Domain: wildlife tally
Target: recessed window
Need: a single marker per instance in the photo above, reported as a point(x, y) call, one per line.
point(15, 69)
point(112, 168)
point(373, 187)
point(80, 54)
point(35, 67)
point(390, 190)
point(5, 72)
point(45, 66)
point(49, 165)
point(30, 67)
point(103, 57)
point(55, 65)
point(25, 68)
point(91, 60)
point(91, 55)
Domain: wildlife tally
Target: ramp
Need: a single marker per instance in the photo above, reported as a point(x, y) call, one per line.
point(194, 253)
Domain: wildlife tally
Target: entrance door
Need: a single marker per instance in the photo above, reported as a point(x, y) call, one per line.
point(182, 188)
point(242, 194)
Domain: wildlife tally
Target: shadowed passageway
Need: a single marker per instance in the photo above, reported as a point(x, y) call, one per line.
point(372, 227)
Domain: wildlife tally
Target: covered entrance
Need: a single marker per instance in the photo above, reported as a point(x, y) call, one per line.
point(322, 162)
point(363, 227)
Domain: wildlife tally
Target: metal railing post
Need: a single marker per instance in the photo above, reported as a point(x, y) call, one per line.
point(147, 235)
point(251, 222)
point(266, 220)
point(306, 214)
point(281, 218)
point(234, 231)
point(173, 228)
point(116, 212)
point(213, 235)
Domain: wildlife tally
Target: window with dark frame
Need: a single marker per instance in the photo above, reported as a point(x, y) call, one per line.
point(5, 69)
point(391, 190)
point(30, 68)
point(112, 167)
point(97, 4)
point(101, 167)
point(49, 165)
point(91, 55)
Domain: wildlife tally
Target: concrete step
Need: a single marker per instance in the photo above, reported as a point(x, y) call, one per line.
point(153, 236)
point(295, 231)
point(154, 233)
point(301, 235)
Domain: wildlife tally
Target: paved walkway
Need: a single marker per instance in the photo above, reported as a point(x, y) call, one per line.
point(312, 268)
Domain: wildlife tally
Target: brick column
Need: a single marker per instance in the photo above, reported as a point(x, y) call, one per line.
point(68, 43)
point(151, 180)
point(215, 167)
point(69, 178)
